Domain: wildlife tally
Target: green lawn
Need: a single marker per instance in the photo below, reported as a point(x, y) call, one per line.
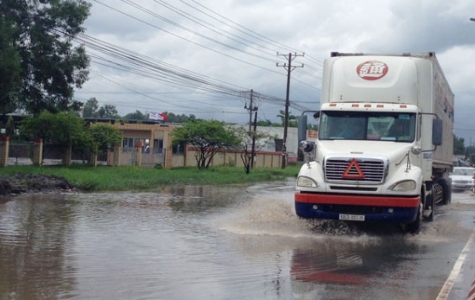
point(106, 178)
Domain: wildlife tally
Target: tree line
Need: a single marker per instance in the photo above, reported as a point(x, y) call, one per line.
point(69, 131)
point(93, 110)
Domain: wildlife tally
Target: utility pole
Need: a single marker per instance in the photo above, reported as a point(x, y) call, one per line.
point(253, 149)
point(288, 66)
point(251, 109)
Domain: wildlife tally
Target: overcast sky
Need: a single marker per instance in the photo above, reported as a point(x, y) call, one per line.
point(203, 57)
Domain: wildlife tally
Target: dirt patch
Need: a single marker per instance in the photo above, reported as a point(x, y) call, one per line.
point(33, 183)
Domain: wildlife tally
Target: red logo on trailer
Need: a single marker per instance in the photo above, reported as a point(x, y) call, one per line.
point(372, 70)
point(353, 171)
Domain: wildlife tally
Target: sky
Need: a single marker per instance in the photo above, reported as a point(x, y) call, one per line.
point(203, 57)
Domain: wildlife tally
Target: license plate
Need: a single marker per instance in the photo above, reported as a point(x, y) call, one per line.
point(346, 217)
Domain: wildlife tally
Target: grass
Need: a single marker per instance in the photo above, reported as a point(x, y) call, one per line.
point(104, 178)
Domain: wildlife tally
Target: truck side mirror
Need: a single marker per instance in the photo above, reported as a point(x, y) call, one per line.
point(437, 132)
point(302, 128)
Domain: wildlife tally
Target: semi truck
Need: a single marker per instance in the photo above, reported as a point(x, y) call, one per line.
point(385, 141)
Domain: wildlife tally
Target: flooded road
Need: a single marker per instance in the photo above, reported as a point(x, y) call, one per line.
point(239, 242)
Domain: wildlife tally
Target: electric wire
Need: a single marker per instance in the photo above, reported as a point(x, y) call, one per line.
point(249, 31)
point(168, 74)
point(195, 43)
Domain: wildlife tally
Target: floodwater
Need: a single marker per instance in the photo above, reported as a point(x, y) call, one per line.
point(238, 242)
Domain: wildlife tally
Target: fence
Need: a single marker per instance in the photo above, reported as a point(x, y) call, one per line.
point(23, 153)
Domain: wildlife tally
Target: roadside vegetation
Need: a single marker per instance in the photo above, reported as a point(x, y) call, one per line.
point(132, 178)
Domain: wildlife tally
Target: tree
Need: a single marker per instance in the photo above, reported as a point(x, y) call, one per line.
point(172, 118)
point(264, 123)
point(248, 140)
point(293, 120)
point(50, 65)
point(105, 136)
point(459, 145)
point(470, 154)
point(208, 136)
point(10, 66)
point(90, 108)
point(312, 127)
point(107, 111)
point(137, 115)
point(65, 129)
point(10, 127)
point(61, 128)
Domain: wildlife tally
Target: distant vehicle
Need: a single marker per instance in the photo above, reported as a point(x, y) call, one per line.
point(462, 179)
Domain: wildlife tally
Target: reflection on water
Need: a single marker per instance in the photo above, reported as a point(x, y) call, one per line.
point(234, 242)
point(324, 268)
point(111, 246)
point(35, 236)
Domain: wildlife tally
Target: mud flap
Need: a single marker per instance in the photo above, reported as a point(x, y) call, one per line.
point(415, 226)
point(428, 212)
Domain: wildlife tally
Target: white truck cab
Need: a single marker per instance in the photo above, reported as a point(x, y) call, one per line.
point(385, 141)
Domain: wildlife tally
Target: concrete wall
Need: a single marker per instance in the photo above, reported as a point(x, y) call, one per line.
point(266, 156)
point(269, 159)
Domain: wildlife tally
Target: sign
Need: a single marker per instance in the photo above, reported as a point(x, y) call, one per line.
point(353, 171)
point(346, 217)
point(372, 70)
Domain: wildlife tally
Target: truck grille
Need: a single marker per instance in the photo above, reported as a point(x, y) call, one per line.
point(345, 169)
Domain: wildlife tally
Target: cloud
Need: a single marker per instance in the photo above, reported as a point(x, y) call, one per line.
point(235, 44)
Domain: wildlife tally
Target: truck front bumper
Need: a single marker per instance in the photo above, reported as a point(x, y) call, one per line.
point(373, 208)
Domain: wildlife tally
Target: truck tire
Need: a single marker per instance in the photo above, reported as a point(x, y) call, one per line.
point(446, 190)
point(415, 226)
point(429, 202)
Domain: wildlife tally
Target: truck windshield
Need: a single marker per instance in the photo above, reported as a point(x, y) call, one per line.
point(381, 126)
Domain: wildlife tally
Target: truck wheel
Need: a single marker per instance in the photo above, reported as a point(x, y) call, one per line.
point(429, 204)
point(415, 226)
point(446, 191)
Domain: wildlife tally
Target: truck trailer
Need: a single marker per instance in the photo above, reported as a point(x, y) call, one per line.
point(385, 141)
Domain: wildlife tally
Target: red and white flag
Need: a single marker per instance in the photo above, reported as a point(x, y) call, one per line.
point(157, 116)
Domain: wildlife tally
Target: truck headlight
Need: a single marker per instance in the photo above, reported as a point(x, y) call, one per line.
point(406, 185)
point(306, 182)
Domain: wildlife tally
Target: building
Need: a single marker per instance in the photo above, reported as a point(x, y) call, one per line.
point(149, 143)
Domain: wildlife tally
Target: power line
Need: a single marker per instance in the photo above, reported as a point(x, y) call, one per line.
point(169, 74)
point(217, 30)
point(146, 66)
point(249, 32)
point(190, 41)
